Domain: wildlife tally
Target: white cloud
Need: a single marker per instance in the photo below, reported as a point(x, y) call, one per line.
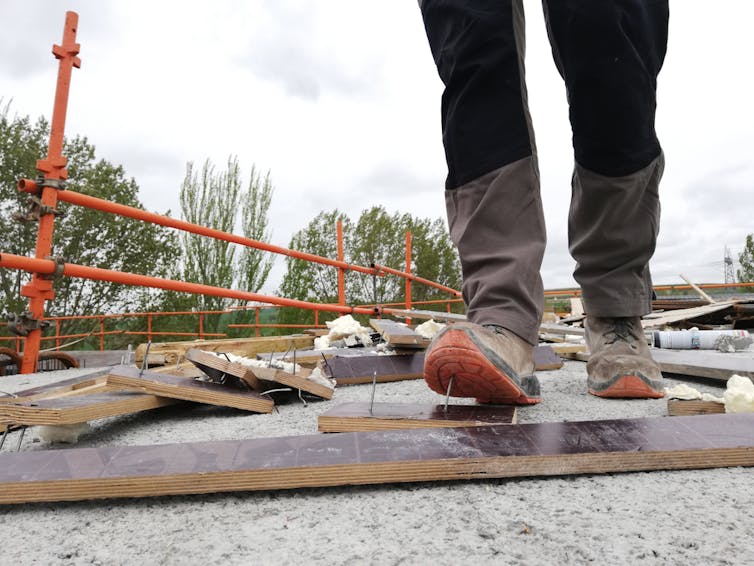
point(340, 100)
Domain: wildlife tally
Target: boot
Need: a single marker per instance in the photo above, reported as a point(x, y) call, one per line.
point(620, 364)
point(488, 362)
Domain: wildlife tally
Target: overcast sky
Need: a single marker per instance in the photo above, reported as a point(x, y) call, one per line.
point(340, 100)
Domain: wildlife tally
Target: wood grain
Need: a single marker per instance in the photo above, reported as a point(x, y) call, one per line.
point(80, 409)
point(381, 457)
point(678, 407)
point(258, 378)
point(171, 351)
point(165, 385)
point(704, 363)
point(358, 416)
point(397, 334)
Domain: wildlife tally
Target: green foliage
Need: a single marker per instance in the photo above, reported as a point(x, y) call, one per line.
point(256, 264)
point(210, 199)
point(746, 260)
point(215, 199)
point(81, 235)
point(376, 238)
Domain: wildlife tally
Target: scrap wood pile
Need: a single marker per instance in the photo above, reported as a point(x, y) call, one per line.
point(255, 373)
point(252, 374)
point(697, 339)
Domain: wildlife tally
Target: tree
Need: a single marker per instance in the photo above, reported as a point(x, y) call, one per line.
point(377, 237)
point(210, 199)
point(255, 263)
point(215, 199)
point(746, 260)
point(81, 235)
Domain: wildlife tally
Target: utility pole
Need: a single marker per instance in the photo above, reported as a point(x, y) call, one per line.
point(730, 276)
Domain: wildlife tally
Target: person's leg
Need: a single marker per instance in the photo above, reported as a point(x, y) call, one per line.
point(492, 191)
point(609, 53)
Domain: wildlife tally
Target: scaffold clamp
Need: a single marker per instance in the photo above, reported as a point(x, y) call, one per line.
point(22, 324)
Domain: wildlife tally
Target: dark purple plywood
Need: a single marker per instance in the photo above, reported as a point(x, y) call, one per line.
point(470, 413)
point(487, 451)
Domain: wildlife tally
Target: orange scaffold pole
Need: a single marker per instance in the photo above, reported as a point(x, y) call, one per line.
point(48, 266)
point(52, 175)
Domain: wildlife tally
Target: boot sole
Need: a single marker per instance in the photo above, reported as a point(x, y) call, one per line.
point(456, 356)
point(627, 387)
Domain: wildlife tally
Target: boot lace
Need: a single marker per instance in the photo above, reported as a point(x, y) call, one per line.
point(620, 331)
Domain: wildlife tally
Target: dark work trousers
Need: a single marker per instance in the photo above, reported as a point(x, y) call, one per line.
point(609, 53)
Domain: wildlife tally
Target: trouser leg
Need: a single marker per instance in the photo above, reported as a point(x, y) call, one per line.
point(492, 190)
point(609, 53)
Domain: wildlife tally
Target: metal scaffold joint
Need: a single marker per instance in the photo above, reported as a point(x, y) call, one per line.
point(22, 324)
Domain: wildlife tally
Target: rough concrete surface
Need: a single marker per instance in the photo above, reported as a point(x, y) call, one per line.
point(679, 517)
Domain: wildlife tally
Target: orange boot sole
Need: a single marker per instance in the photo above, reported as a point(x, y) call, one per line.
point(628, 387)
point(456, 357)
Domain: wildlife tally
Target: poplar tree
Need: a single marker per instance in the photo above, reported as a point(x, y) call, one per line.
point(746, 261)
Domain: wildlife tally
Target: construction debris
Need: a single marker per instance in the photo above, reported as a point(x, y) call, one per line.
point(703, 363)
point(167, 353)
point(260, 375)
point(739, 395)
point(695, 339)
point(398, 335)
point(344, 331)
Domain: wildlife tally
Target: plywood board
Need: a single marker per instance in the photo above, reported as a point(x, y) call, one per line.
point(217, 366)
point(427, 315)
point(677, 407)
point(312, 357)
point(300, 381)
point(550, 328)
point(567, 348)
point(398, 335)
point(351, 370)
point(656, 320)
point(259, 379)
point(79, 409)
point(381, 457)
point(80, 385)
point(165, 385)
point(171, 351)
point(184, 369)
point(546, 359)
point(357, 416)
point(704, 363)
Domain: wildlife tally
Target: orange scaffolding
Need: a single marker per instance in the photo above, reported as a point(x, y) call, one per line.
point(49, 189)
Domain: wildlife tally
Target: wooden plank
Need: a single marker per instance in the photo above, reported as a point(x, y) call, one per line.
point(79, 385)
point(398, 335)
point(351, 370)
point(259, 378)
point(165, 385)
point(549, 328)
point(567, 348)
point(249, 347)
point(357, 416)
point(678, 407)
point(546, 359)
point(313, 357)
point(186, 370)
point(80, 409)
point(655, 320)
point(703, 363)
point(426, 315)
point(296, 381)
point(216, 367)
point(380, 457)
